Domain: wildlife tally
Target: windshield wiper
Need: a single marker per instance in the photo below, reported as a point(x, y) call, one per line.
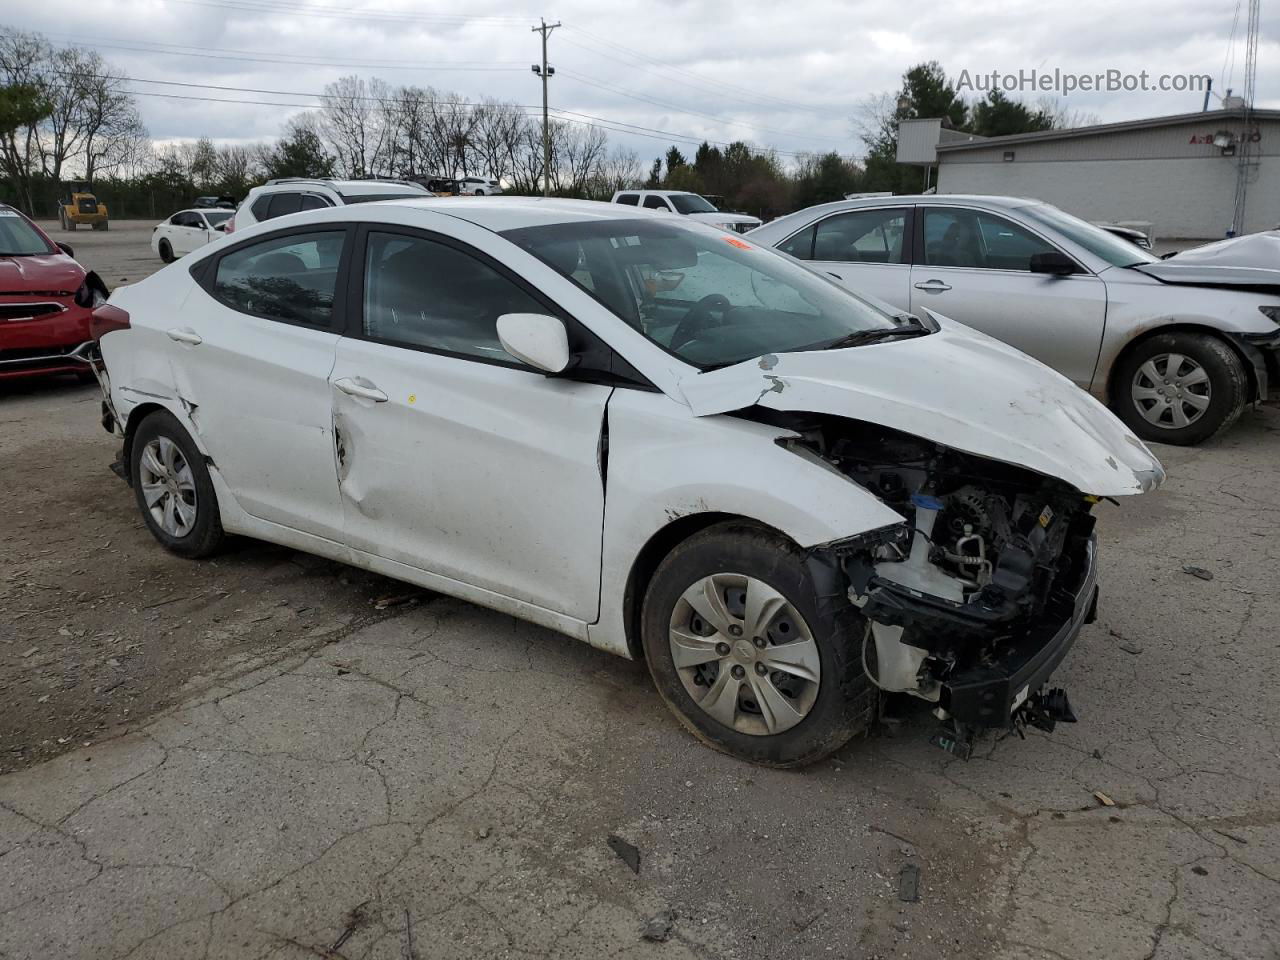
point(859, 338)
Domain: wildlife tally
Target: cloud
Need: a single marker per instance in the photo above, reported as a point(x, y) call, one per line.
point(791, 77)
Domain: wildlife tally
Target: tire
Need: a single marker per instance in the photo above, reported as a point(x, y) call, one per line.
point(479, 193)
point(1199, 399)
point(198, 531)
point(166, 251)
point(824, 714)
point(102, 225)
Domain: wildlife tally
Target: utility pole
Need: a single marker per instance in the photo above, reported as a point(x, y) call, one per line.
point(545, 72)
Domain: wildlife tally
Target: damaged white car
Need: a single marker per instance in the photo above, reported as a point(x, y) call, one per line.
point(642, 432)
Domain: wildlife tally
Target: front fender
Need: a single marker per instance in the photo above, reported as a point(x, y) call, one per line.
point(666, 464)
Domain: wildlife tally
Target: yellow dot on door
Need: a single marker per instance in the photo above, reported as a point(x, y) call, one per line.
point(413, 398)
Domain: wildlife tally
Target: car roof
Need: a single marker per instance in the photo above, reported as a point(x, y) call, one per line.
point(509, 213)
point(346, 187)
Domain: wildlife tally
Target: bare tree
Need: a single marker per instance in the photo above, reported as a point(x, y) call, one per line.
point(1063, 118)
point(355, 123)
point(498, 135)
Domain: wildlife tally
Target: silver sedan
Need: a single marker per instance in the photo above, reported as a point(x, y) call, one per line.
point(1177, 351)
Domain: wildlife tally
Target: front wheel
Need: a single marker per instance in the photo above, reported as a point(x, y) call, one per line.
point(166, 251)
point(751, 657)
point(1180, 388)
point(172, 485)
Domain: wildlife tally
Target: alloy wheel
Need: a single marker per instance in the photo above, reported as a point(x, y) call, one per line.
point(744, 654)
point(168, 487)
point(1171, 391)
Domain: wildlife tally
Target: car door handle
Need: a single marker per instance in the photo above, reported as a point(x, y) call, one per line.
point(185, 335)
point(360, 387)
point(933, 286)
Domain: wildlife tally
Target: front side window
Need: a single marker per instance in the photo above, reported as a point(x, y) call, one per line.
point(18, 238)
point(313, 201)
point(709, 297)
point(218, 217)
point(423, 293)
point(691, 203)
point(862, 236)
point(656, 203)
point(968, 238)
point(290, 278)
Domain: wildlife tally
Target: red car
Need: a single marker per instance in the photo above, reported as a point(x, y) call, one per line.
point(46, 299)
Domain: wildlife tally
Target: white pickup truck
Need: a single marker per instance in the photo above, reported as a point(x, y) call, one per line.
point(690, 205)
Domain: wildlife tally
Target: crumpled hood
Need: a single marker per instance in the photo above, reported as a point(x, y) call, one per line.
point(47, 273)
point(956, 387)
point(1249, 261)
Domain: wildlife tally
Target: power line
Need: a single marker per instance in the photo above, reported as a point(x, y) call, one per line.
point(693, 113)
point(755, 95)
point(337, 13)
point(374, 65)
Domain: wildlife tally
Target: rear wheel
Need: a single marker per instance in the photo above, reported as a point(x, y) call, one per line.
point(166, 251)
point(1180, 388)
point(172, 485)
point(747, 654)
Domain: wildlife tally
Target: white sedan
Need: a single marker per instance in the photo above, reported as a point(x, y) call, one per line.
point(188, 230)
point(643, 432)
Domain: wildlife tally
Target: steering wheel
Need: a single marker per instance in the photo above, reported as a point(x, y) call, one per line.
point(697, 318)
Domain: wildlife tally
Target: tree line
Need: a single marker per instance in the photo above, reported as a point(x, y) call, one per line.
point(65, 113)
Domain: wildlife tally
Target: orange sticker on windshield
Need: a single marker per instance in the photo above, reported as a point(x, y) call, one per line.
point(737, 243)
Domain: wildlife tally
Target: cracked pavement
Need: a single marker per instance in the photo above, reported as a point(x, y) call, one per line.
point(441, 781)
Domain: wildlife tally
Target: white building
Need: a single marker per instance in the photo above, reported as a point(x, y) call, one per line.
point(1178, 173)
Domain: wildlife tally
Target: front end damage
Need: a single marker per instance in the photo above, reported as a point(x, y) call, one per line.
point(974, 600)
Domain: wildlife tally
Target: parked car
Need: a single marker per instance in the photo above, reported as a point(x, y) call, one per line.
point(642, 432)
point(1135, 236)
point(1177, 353)
point(46, 299)
point(478, 186)
point(223, 202)
point(188, 230)
point(687, 204)
point(276, 198)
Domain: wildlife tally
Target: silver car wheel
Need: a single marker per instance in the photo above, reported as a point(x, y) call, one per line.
point(744, 654)
point(168, 487)
point(1171, 391)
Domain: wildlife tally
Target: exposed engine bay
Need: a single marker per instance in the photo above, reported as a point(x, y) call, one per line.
point(992, 558)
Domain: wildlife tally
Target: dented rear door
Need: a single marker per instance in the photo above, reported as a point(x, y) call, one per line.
point(249, 355)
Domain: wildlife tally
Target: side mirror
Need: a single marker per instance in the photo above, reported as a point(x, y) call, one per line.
point(1054, 262)
point(65, 248)
point(536, 339)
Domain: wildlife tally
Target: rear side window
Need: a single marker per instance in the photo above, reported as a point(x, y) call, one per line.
point(630, 199)
point(421, 293)
point(290, 278)
point(656, 203)
point(282, 203)
point(862, 236)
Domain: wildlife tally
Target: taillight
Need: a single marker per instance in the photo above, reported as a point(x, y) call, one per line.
point(106, 319)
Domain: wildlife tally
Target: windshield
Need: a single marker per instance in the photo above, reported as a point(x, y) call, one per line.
point(216, 217)
point(1114, 250)
point(690, 203)
point(706, 296)
point(18, 238)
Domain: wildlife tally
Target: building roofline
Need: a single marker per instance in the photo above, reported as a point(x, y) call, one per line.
point(1103, 128)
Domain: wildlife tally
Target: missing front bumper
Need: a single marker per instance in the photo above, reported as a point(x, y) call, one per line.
point(989, 694)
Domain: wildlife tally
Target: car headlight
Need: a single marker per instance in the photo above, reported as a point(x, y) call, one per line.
point(92, 292)
point(1271, 312)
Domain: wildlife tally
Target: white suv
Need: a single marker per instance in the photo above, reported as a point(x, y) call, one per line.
point(275, 198)
point(690, 205)
point(479, 186)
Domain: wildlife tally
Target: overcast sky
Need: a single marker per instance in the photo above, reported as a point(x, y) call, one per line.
point(788, 75)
